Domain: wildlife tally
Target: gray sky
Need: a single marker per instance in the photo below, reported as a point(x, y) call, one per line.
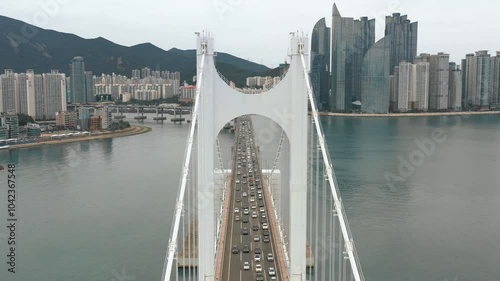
point(258, 29)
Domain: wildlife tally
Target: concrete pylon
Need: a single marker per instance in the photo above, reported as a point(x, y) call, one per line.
point(287, 105)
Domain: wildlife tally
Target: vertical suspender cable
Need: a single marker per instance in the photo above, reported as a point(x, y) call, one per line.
point(342, 220)
point(167, 271)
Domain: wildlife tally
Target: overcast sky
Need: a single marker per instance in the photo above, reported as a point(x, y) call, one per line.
point(258, 29)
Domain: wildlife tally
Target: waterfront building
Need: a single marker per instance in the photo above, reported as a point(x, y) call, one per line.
point(67, 119)
point(32, 89)
point(89, 87)
point(320, 64)
point(33, 130)
point(480, 79)
point(404, 34)
point(375, 78)
point(351, 40)
point(455, 95)
point(10, 123)
point(410, 87)
point(439, 76)
point(95, 123)
point(54, 94)
point(9, 99)
point(77, 72)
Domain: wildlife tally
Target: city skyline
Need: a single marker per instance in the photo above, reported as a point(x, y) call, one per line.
point(473, 20)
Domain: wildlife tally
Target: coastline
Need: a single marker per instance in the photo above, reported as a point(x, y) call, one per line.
point(409, 114)
point(132, 131)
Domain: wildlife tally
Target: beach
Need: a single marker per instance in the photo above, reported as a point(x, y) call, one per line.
point(132, 131)
point(409, 114)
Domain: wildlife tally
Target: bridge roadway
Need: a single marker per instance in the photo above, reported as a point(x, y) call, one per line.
point(248, 211)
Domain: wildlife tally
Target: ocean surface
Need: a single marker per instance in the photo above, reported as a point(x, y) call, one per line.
point(422, 196)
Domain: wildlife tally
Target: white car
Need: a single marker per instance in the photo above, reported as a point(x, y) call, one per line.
point(258, 268)
point(252, 199)
point(265, 226)
point(256, 257)
point(254, 215)
point(246, 266)
point(271, 271)
point(236, 210)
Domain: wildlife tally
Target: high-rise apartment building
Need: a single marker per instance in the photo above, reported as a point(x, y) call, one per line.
point(351, 40)
point(54, 84)
point(404, 34)
point(455, 94)
point(89, 87)
point(77, 69)
point(438, 79)
point(480, 79)
point(320, 63)
point(9, 99)
point(31, 90)
point(410, 87)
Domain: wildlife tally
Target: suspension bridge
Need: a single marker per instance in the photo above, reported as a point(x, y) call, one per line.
point(244, 222)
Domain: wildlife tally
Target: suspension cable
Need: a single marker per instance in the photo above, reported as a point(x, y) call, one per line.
point(167, 270)
point(338, 204)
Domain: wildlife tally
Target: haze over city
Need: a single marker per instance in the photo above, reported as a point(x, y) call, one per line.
point(258, 30)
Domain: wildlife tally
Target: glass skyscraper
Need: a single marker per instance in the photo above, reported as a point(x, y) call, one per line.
point(351, 39)
point(77, 69)
point(403, 39)
point(375, 78)
point(320, 63)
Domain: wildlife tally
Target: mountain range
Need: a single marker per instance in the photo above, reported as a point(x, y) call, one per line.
point(24, 46)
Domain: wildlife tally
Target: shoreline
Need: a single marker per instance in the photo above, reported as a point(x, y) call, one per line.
point(409, 114)
point(132, 131)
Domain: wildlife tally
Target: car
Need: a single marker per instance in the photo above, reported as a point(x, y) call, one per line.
point(262, 210)
point(235, 249)
point(244, 181)
point(246, 266)
point(256, 238)
point(257, 179)
point(263, 220)
point(266, 239)
point(244, 176)
point(270, 257)
point(244, 231)
point(259, 191)
point(252, 199)
point(256, 257)
point(237, 181)
point(237, 218)
point(246, 212)
point(258, 268)
point(254, 207)
point(261, 204)
point(255, 228)
point(265, 232)
point(271, 271)
point(245, 219)
point(263, 215)
point(236, 210)
point(238, 188)
point(258, 250)
point(265, 226)
point(259, 276)
point(273, 278)
point(254, 215)
point(246, 249)
point(238, 199)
